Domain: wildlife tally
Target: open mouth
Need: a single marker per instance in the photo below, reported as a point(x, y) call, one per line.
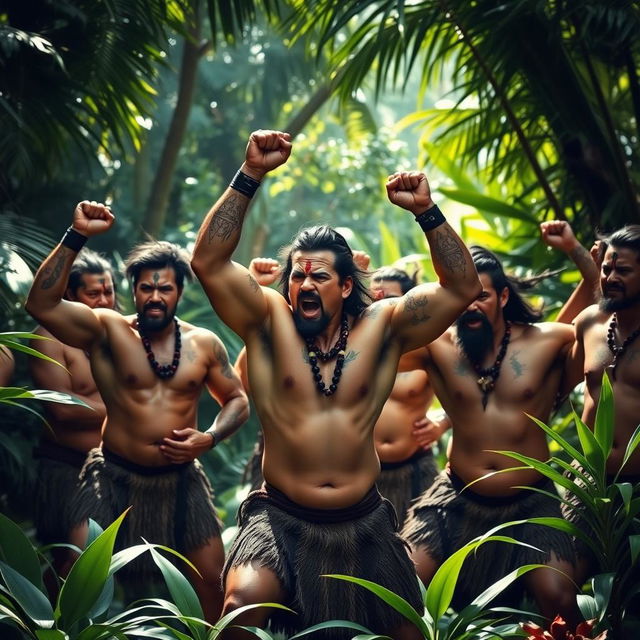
point(154, 311)
point(310, 307)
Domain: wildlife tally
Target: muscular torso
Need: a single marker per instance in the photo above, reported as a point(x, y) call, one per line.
point(142, 408)
point(318, 450)
point(83, 432)
point(409, 400)
point(529, 380)
point(626, 384)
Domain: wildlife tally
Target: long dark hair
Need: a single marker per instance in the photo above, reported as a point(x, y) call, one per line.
point(325, 238)
point(628, 237)
point(517, 308)
point(88, 261)
point(392, 274)
point(158, 254)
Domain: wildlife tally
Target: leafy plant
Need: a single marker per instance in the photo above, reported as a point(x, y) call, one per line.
point(81, 607)
point(608, 507)
point(474, 622)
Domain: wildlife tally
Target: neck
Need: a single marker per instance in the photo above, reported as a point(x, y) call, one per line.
point(499, 327)
point(160, 334)
point(628, 319)
point(330, 335)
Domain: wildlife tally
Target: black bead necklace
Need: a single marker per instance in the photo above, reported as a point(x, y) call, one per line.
point(163, 371)
point(339, 350)
point(618, 351)
point(488, 377)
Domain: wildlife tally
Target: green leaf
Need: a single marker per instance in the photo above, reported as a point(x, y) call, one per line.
point(30, 352)
point(18, 552)
point(604, 427)
point(45, 395)
point(260, 633)
point(51, 634)
point(634, 545)
point(34, 603)
point(488, 204)
point(226, 620)
point(602, 585)
point(625, 489)
point(87, 577)
point(592, 448)
point(389, 247)
point(587, 605)
point(631, 447)
point(181, 591)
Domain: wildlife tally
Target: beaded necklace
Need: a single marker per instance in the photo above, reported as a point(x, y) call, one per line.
point(488, 377)
point(339, 350)
point(163, 371)
point(618, 351)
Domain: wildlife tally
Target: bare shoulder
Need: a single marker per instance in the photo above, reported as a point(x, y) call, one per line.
point(590, 317)
point(41, 331)
point(556, 331)
point(111, 317)
point(379, 310)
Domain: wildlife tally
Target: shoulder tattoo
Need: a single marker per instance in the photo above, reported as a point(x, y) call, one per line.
point(415, 305)
point(221, 356)
point(517, 366)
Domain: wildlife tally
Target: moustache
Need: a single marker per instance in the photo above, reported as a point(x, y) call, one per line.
point(469, 316)
point(155, 305)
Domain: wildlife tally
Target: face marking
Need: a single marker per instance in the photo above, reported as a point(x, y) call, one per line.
point(156, 277)
point(307, 267)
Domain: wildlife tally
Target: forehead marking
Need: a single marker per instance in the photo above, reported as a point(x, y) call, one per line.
point(156, 277)
point(307, 267)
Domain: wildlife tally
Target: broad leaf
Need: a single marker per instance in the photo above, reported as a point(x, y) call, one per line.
point(18, 552)
point(34, 603)
point(604, 427)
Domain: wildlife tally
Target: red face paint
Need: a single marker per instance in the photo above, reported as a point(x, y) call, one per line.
point(307, 267)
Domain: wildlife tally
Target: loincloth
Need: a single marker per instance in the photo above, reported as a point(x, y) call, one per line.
point(445, 518)
point(172, 505)
point(57, 472)
point(402, 482)
point(300, 544)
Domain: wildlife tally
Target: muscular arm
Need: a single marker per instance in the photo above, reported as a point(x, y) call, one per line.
point(72, 323)
point(47, 375)
point(232, 290)
point(426, 311)
point(559, 235)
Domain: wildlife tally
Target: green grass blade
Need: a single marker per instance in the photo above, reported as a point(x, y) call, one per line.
point(18, 552)
point(391, 598)
point(631, 447)
point(87, 577)
point(33, 602)
point(603, 428)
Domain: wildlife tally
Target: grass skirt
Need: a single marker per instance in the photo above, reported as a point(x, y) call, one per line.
point(299, 545)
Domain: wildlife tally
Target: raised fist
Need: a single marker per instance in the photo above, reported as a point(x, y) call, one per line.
point(266, 150)
point(559, 235)
point(362, 260)
point(91, 218)
point(409, 190)
point(265, 270)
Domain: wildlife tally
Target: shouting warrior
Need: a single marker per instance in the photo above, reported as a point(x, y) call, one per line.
point(321, 364)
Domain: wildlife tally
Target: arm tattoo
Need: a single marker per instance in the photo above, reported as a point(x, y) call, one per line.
point(462, 368)
point(253, 283)
point(516, 365)
point(54, 273)
point(227, 220)
point(416, 306)
point(582, 259)
point(447, 251)
point(221, 356)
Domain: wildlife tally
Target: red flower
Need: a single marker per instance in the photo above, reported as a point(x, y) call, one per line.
point(558, 631)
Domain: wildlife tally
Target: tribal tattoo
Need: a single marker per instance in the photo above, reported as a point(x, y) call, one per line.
point(517, 366)
point(253, 283)
point(54, 273)
point(221, 356)
point(446, 249)
point(415, 305)
point(228, 219)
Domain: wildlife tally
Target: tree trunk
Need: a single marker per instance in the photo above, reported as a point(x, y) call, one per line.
point(157, 204)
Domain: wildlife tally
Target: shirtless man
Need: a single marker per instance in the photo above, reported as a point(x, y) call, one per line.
point(7, 366)
point(75, 430)
point(607, 338)
point(311, 353)
point(150, 370)
point(494, 366)
point(405, 450)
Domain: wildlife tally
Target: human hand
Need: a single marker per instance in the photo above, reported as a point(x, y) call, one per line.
point(558, 234)
point(362, 260)
point(265, 270)
point(426, 432)
point(186, 445)
point(597, 252)
point(91, 218)
point(265, 151)
point(409, 190)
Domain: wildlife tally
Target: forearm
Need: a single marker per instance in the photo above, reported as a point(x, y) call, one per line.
point(232, 416)
point(452, 261)
point(585, 293)
point(220, 232)
point(50, 281)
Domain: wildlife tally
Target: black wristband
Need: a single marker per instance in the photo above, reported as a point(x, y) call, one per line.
point(245, 184)
point(73, 240)
point(431, 218)
point(212, 432)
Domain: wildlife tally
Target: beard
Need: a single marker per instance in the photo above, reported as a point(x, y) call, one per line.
point(311, 328)
point(610, 305)
point(475, 343)
point(151, 325)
